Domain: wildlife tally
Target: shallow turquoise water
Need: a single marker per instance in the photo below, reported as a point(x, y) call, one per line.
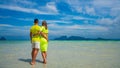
point(62, 54)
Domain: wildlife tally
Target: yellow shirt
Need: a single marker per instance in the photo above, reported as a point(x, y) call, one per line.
point(44, 30)
point(35, 29)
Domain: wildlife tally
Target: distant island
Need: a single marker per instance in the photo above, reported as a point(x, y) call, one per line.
point(3, 38)
point(80, 38)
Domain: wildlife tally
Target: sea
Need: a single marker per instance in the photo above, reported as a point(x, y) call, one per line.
point(62, 54)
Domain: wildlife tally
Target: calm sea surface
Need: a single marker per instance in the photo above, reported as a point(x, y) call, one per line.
point(62, 54)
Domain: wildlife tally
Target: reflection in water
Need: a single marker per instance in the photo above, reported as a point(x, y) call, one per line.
point(32, 66)
point(44, 66)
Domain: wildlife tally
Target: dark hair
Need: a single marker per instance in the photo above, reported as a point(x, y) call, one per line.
point(36, 20)
point(44, 23)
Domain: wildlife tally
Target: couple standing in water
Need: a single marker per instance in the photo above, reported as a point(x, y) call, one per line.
point(39, 40)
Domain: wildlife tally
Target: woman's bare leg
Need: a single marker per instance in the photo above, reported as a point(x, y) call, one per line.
point(44, 57)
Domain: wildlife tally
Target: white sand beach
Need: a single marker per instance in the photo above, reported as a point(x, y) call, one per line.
point(62, 54)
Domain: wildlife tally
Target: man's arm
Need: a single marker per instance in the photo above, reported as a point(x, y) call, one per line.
point(44, 35)
point(31, 37)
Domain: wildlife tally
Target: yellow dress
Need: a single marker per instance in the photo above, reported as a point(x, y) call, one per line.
point(43, 41)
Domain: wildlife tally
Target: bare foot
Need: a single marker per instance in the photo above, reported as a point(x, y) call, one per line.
point(32, 63)
point(45, 62)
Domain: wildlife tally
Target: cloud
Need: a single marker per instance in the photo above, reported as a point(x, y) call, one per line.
point(90, 10)
point(88, 27)
point(75, 17)
point(73, 29)
point(84, 7)
point(59, 21)
point(5, 25)
point(92, 31)
point(26, 2)
point(115, 11)
point(11, 30)
point(14, 2)
point(113, 26)
point(48, 9)
point(105, 21)
point(107, 7)
point(51, 6)
point(95, 7)
point(25, 19)
point(101, 3)
point(22, 9)
point(116, 25)
point(17, 8)
point(78, 27)
point(75, 5)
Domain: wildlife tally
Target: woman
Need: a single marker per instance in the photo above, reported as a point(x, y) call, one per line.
point(44, 41)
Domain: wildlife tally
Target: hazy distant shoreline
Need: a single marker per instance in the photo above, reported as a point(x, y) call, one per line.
point(81, 38)
point(65, 38)
point(68, 40)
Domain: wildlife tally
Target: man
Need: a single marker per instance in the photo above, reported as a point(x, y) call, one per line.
point(35, 40)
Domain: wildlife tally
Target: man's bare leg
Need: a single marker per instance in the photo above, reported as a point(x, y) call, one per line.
point(34, 54)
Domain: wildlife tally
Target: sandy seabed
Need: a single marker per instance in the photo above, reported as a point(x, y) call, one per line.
point(62, 54)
